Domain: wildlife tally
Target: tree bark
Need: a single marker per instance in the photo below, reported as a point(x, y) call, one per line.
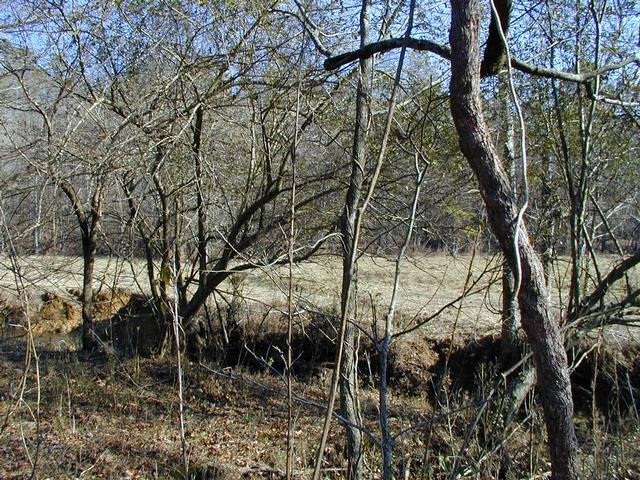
point(542, 333)
point(348, 377)
point(495, 53)
point(196, 147)
point(128, 188)
point(510, 348)
point(88, 222)
point(164, 278)
point(89, 247)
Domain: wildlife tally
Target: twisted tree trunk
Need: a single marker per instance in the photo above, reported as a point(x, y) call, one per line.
point(542, 332)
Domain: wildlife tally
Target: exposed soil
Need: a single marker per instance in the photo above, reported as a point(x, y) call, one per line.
point(131, 324)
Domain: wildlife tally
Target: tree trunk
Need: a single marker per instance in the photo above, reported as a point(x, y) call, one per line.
point(348, 377)
point(88, 222)
point(196, 147)
point(477, 146)
point(89, 248)
point(349, 405)
point(128, 188)
point(510, 351)
point(509, 339)
point(166, 270)
point(495, 53)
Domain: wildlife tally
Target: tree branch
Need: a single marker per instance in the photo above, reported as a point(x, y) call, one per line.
point(495, 53)
point(333, 63)
point(383, 46)
point(603, 287)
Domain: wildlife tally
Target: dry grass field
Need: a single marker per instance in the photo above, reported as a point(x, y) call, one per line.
point(429, 283)
point(66, 416)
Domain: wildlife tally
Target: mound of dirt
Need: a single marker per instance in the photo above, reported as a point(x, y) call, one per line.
point(56, 315)
point(53, 314)
point(464, 361)
point(260, 342)
point(106, 303)
point(412, 364)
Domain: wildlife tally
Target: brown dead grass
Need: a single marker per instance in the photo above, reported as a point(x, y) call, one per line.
point(119, 421)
